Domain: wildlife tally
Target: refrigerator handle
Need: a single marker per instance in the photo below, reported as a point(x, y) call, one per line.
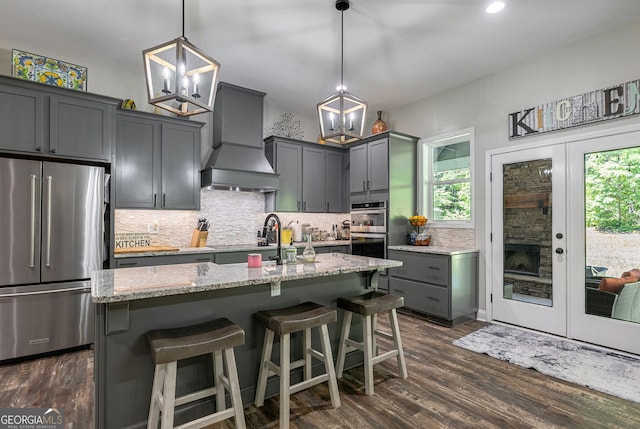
point(32, 260)
point(48, 260)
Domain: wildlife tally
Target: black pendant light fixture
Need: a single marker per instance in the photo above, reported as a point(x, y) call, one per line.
point(180, 77)
point(342, 114)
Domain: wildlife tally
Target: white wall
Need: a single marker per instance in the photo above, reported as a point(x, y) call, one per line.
point(603, 61)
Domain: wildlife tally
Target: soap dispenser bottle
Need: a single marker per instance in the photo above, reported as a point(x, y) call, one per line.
point(291, 253)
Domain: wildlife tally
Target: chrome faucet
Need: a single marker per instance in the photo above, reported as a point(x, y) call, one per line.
point(278, 257)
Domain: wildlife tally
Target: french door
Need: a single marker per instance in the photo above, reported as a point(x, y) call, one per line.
point(564, 217)
point(528, 272)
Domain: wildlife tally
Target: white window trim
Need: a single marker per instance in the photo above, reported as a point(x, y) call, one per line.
point(424, 152)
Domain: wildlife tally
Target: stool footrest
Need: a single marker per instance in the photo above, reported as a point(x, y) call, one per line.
point(194, 396)
point(384, 334)
point(384, 356)
point(294, 388)
point(208, 420)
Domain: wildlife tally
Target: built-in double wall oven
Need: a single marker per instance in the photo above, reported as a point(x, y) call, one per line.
point(369, 229)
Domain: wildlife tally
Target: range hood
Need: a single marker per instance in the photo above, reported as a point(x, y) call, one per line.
point(238, 161)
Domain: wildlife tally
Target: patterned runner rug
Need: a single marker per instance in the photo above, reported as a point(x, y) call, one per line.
point(598, 369)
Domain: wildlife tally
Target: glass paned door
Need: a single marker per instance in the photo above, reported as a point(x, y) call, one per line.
point(528, 239)
point(605, 211)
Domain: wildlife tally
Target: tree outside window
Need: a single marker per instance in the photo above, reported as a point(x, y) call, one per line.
point(445, 177)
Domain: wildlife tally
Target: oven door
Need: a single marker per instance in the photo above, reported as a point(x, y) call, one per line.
point(367, 244)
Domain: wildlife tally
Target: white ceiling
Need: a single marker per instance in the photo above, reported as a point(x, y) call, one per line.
point(396, 51)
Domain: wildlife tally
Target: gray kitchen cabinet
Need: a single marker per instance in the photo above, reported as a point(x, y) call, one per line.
point(442, 287)
point(312, 177)
point(335, 182)
point(383, 167)
point(314, 187)
point(81, 128)
point(286, 160)
point(38, 119)
point(239, 257)
point(157, 162)
point(148, 261)
point(369, 167)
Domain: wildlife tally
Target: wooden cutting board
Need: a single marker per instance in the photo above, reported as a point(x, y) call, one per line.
point(146, 249)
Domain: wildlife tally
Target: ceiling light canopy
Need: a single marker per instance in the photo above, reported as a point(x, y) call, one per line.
point(342, 114)
point(180, 77)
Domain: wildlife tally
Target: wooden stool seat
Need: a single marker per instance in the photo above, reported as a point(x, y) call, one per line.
point(285, 321)
point(297, 318)
point(168, 346)
point(370, 303)
point(368, 306)
point(181, 343)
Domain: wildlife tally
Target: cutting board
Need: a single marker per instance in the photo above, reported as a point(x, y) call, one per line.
point(145, 249)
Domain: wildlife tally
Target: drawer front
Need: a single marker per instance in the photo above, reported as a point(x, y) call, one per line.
point(148, 261)
point(422, 267)
point(239, 257)
point(422, 297)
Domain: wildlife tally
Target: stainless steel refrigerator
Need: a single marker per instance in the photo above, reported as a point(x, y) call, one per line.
point(51, 238)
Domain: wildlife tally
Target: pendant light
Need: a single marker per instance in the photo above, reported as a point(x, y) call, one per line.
point(342, 114)
point(180, 77)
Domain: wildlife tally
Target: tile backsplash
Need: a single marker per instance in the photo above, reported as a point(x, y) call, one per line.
point(234, 218)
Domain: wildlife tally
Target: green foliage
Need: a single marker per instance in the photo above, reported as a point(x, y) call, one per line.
point(612, 179)
point(452, 201)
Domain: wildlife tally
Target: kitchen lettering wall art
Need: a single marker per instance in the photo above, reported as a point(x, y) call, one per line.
point(600, 105)
point(49, 71)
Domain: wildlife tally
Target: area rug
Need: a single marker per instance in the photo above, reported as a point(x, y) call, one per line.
point(598, 369)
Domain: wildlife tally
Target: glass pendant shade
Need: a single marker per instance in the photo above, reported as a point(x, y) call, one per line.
point(342, 117)
point(180, 77)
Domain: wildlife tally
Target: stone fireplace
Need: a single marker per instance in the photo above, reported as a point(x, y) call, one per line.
point(527, 228)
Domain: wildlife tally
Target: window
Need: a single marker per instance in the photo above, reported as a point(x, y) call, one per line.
point(445, 169)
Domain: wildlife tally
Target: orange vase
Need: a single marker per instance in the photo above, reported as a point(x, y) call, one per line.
point(379, 126)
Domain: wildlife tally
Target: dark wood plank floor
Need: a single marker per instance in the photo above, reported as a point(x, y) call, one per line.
point(448, 387)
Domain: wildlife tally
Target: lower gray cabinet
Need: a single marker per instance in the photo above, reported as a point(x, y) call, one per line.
point(148, 261)
point(444, 288)
point(238, 257)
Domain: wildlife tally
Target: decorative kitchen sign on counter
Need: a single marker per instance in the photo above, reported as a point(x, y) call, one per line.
point(595, 106)
point(126, 240)
point(41, 69)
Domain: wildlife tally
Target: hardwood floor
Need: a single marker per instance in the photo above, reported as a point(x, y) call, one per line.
point(448, 387)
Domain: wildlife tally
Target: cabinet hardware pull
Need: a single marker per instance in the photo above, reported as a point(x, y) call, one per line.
point(431, 267)
point(154, 200)
point(304, 205)
point(164, 200)
point(38, 148)
point(53, 150)
point(364, 185)
point(49, 198)
point(368, 185)
point(430, 298)
point(298, 205)
point(398, 290)
point(327, 206)
point(32, 261)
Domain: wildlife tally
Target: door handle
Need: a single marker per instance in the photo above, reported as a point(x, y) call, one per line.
point(49, 199)
point(559, 251)
point(32, 260)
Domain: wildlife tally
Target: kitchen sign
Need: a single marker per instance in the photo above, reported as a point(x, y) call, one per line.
point(595, 106)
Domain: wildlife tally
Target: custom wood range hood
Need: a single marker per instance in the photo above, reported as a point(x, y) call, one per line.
point(238, 161)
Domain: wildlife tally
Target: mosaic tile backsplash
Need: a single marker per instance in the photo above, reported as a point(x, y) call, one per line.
point(234, 218)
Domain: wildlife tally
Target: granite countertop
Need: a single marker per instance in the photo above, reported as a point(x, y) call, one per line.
point(229, 248)
point(127, 284)
point(437, 250)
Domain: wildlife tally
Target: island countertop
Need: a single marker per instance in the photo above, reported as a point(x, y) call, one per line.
point(127, 284)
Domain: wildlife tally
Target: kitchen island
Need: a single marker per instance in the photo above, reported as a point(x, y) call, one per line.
point(131, 301)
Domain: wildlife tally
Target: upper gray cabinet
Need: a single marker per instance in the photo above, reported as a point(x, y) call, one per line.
point(157, 162)
point(312, 177)
point(383, 167)
point(36, 119)
point(369, 166)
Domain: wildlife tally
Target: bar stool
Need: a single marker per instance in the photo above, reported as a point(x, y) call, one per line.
point(369, 306)
point(168, 346)
point(284, 322)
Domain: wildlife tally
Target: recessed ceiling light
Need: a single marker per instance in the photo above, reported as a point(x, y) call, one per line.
point(495, 7)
